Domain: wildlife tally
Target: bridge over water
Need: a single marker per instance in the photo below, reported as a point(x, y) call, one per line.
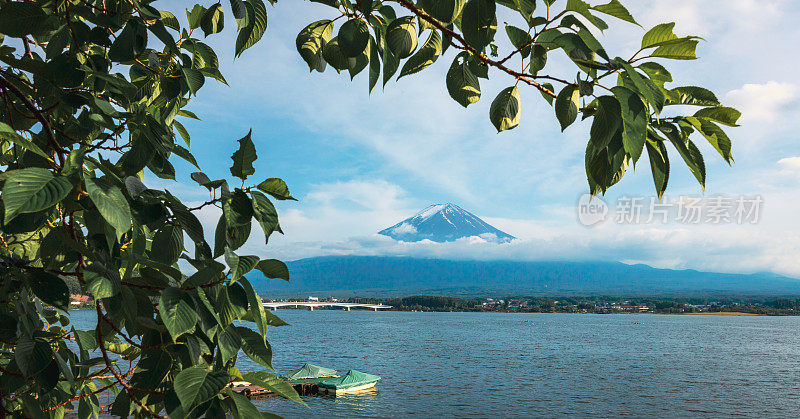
point(314, 304)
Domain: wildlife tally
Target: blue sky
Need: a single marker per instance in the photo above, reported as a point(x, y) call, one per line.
point(359, 163)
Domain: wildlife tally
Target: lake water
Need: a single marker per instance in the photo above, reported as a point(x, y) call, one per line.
point(522, 365)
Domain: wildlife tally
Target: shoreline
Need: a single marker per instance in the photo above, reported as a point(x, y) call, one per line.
point(726, 313)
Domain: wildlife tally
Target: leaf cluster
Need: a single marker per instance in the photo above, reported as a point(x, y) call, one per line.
point(627, 100)
point(94, 95)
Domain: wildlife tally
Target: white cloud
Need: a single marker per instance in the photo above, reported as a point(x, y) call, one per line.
point(766, 102)
point(790, 164)
point(366, 194)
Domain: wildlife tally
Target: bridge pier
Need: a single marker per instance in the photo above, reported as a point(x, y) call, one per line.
point(347, 308)
point(311, 308)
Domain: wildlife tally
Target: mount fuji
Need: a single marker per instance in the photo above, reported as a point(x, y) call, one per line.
point(444, 223)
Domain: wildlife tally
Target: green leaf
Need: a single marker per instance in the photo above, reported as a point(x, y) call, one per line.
point(244, 407)
point(195, 15)
point(18, 19)
point(538, 59)
point(365, 6)
point(575, 47)
point(567, 105)
point(462, 85)
point(333, 55)
point(273, 383)
point(31, 190)
point(257, 25)
point(177, 312)
point(152, 369)
point(688, 150)
point(390, 61)
point(167, 244)
point(658, 35)
point(445, 11)
point(244, 157)
point(32, 355)
point(616, 9)
point(546, 96)
point(653, 96)
point(634, 121)
point(229, 343)
point(519, 38)
point(276, 188)
point(714, 134)
point(8, 133)
point(257, 310)
point(582, 8)
point(85, 340)
point(195, 385)
point(183, 132)
point(213, 20)
point(239, 265)
point(693, 95)
point(479, 23)
point(659, 165)
point(683, 50)
point(265, 213)
point(190, 224)
point(50, 289)
point(607, 121)
point(255, 347)
point(426, 55)
point(101, 286)
point(130, 43)
point(273, 268)
point(238, 210)
point(160, 31)
point(606, 166)
point(506, 109)
point(311, 40)
point(524, 7)
point(657, 73)
point(194, 80)
point(723, 115)
point(401, 36)
point(239, 11)
point(374, 64)
point(353, 37)
point(111, 203)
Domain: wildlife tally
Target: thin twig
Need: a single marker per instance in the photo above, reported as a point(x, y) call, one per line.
point(465, 46)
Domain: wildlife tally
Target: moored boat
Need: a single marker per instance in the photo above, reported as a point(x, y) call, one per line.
point(351, 382)
point(310, 373)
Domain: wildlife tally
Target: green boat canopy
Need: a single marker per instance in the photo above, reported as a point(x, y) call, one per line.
point(309, 371)
point(353, 378)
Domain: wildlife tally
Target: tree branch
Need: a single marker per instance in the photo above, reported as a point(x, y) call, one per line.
point(465, 46)
point(48, 127)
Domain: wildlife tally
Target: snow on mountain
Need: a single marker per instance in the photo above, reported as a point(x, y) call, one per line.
point(443, 223)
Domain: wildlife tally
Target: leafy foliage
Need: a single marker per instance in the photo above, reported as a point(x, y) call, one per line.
point(94, 92)
point(628, 114)
point(92, 95)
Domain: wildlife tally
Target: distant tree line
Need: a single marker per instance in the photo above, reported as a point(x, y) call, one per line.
point(598, 304)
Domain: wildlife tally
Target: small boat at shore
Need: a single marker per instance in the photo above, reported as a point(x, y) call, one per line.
point(351, 382)
point(310, 373)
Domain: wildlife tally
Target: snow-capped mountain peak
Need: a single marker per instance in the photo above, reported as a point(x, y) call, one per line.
point(442, 223)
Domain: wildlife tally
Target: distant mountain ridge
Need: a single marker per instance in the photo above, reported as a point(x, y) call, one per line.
point(404, 276)
point(444, 223)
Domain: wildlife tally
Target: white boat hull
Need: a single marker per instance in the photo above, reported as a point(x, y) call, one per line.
point(355, 389)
